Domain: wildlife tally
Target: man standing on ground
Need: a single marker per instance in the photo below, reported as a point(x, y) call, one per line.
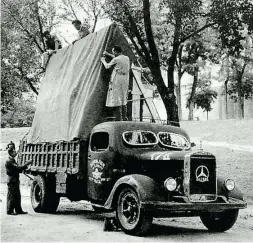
point(83, 29)
point(13, 170)
point(119, 82)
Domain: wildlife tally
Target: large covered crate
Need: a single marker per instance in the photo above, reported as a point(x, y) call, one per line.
point(67, 157)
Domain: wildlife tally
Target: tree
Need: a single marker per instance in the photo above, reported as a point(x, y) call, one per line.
point(236, 28)
point(204, 98)
point(20, 113)
point(135, 17)
point(236, 70)
point(180, 23)
point(23, 24)
point(85, 10)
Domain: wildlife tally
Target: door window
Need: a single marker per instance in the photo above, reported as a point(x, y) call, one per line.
point(99, 141)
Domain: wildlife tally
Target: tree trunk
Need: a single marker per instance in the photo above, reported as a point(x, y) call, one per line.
point(191, 108)
point(180, 74)
point(226, 98)
point(194, 87)
point(207, 115)
point(167, 95)
point(240, 92)
point(239, 101)
point(179, 97)
point(179, 103)
point(170, 98)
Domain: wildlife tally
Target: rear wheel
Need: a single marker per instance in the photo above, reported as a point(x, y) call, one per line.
point(43, 196)
point(132, 219)
point(219, 221)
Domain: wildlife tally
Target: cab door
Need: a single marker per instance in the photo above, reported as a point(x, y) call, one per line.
point(100, 164)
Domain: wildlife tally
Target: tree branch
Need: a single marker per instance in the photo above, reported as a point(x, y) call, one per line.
point(28, 80)
point(95, 23)
point(40, 27)
point(197, 31)
point(137, 34)
point(149, 33)
point(27, 32)
point(72, 9)
point(136, 46)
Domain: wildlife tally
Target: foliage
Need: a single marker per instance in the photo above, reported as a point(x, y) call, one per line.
point(247, 85)
point(204, 98)
point(236, 70)
point(88, 11)
point(232, 16)
point(23, 23)
point(20, 114)
point(22, 43)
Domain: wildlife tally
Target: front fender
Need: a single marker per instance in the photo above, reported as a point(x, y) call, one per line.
point(236, 193)
point(146, 188)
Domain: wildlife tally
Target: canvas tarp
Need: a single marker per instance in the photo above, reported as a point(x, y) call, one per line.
point(73, 91)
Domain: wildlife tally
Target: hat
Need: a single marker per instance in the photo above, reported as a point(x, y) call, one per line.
point(10, 146)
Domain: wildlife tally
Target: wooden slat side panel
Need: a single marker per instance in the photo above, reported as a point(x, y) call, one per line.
point(63, 156)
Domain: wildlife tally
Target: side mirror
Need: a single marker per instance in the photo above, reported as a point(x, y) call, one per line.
point(193, 144)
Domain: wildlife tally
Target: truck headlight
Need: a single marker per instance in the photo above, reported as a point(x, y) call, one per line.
point(170, 184)
point(230, 184)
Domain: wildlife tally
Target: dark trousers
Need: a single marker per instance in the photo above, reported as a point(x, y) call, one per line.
point(120, 113)
point(13, 198)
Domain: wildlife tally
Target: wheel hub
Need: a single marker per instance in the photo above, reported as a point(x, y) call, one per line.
point(37, 193)
point(130, 209)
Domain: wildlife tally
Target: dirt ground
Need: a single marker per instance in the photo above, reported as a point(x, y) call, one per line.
point(77, 222)
point(230, 141)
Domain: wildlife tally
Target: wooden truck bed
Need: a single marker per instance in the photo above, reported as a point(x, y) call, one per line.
point(67, 157)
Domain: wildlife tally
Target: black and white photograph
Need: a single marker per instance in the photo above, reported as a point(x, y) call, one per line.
point(126, 121)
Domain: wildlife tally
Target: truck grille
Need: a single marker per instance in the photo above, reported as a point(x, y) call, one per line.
point(200, 177)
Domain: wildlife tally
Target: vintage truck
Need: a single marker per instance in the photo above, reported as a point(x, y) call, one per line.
point(140, 170)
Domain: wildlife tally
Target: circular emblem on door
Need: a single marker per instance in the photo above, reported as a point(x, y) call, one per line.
point(202, 173)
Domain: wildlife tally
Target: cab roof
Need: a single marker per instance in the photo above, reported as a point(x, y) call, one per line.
point(122, 126)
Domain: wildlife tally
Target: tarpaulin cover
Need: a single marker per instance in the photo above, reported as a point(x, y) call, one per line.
point(73, 91)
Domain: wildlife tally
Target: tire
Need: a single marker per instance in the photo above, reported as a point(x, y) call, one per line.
point(131, 218)
point(43, 196)
point(220, 221)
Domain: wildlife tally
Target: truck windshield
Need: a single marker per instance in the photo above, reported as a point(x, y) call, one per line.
point(140, 138)
point(173, 140)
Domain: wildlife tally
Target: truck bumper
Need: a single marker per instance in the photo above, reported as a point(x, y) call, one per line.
point(190, 209)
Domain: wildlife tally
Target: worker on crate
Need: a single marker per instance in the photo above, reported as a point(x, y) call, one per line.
point(52, 45)
point(119, 82)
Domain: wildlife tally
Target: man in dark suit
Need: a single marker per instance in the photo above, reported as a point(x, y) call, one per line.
point(12, 171)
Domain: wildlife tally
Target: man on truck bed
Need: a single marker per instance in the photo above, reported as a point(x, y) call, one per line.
point(52, 45)
point(118, 86)
point(13, 170)
point(83, 29)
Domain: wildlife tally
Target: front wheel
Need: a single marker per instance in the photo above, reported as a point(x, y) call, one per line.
point(132, 219)
point(219, 221)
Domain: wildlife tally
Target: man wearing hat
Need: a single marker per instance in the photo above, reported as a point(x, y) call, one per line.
point(13, 170)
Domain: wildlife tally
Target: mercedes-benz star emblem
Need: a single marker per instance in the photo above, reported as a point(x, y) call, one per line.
point(202, 173)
